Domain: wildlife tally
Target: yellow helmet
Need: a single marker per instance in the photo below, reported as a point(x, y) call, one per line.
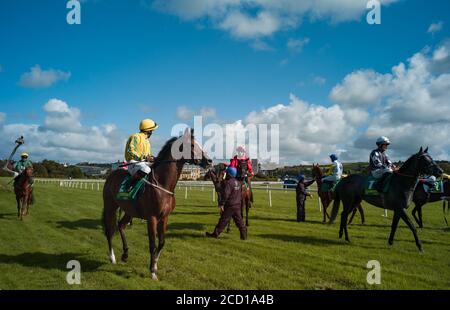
point(148, 125)
point(24, 155)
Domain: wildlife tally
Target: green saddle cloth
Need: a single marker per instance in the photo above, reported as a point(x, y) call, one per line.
point(437, 189)
point(327, 187)
point(370, 182)
point(124, 191)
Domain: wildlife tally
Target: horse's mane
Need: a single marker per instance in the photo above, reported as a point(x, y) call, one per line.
point(407, 163)
point(165, 152)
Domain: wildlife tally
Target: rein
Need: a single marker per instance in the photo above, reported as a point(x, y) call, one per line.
point(159, 187)
point(405, 175)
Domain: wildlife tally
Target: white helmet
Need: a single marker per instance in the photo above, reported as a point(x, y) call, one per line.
point(432, 178)
point(383, 140)
point(240, 151)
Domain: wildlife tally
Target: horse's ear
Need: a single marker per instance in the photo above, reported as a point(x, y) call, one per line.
point(192, 132)
point(426, 150)
point(421, 150)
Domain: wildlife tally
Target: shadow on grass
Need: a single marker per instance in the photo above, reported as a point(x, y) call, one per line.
point(4, 216)
point(49, 261)
point(181, 235)
point(78, 224)
point(197, 213)
point(301, 239)
point(182, 226)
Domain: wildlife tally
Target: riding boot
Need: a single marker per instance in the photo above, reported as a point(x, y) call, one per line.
point(136, 178)
point(379, 184)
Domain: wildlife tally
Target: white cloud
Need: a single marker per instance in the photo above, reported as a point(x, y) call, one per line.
point(435, 27)
point(261, 46)
point(250, 19)
point(307, 132)
point(184, 113)
point(410, 104)
point(319, 80)
point(61, 118)
point(38, 78)
point(363, 88)
point(66, 139)
point(296, 45)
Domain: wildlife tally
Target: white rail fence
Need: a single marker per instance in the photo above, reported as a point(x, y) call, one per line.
point(182, 187)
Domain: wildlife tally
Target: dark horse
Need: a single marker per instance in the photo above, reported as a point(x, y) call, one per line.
point(24, 192)
point(421, 197)
point(327, 197)
point(157, 200)
point(403, 182)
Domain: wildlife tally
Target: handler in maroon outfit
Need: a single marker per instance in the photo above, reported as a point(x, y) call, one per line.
point(230, 205)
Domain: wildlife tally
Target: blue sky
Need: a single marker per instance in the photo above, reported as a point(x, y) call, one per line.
point(133, 59)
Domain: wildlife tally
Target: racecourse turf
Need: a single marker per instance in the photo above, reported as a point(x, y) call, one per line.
point(280, 253)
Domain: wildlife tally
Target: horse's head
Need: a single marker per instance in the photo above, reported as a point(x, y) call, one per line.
point(426, 164)
point(187, 150)
point(316, 171)
point(29, 172)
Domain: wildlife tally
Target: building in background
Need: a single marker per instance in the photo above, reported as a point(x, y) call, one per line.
point(192, 173)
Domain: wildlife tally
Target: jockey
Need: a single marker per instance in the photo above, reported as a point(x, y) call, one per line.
point(239, 159)
point(380, 165)
point(429, 183)
point(21, 165)
point(337, 170)
point(138, 151)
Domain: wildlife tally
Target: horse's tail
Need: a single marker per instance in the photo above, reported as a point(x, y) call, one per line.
point(336, 203)
point(109, 214)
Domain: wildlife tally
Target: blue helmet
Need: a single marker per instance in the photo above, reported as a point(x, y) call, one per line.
point(232, 171)
point(301, 177)
point(333, 157)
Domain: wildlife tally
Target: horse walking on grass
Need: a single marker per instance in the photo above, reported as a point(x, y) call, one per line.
point(157, 200)
point(421, 198)
point(24, 192)
point(351, 190)
point(327, 197)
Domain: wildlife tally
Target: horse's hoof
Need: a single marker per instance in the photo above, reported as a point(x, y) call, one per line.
point(154, 277)
point(124, 258)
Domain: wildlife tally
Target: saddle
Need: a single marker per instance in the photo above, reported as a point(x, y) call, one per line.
point(328, 186)
point(125, 194)
point(370, 185)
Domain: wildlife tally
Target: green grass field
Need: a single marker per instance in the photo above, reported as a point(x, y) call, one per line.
point(64, 224)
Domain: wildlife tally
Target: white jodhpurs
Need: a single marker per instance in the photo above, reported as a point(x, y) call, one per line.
point(138, 166)
point(378, 173)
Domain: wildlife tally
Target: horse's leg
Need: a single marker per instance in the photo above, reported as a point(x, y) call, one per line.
point(18, 206)
point(414, 212)
point(394, 227)
point(162, 227)
point(353, 215)
point(324, 207)
point(151, 230)
point(420, 217)
point(122, 225)
point(247, 208)
point(404, 216)
point(109, 224)
point(361, 212)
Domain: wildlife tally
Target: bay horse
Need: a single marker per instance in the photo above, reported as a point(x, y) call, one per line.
point(246, 189)
point(156, 201)
point(24, 192)
point(351, 190)
point(421, 197)
point(327, 197)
